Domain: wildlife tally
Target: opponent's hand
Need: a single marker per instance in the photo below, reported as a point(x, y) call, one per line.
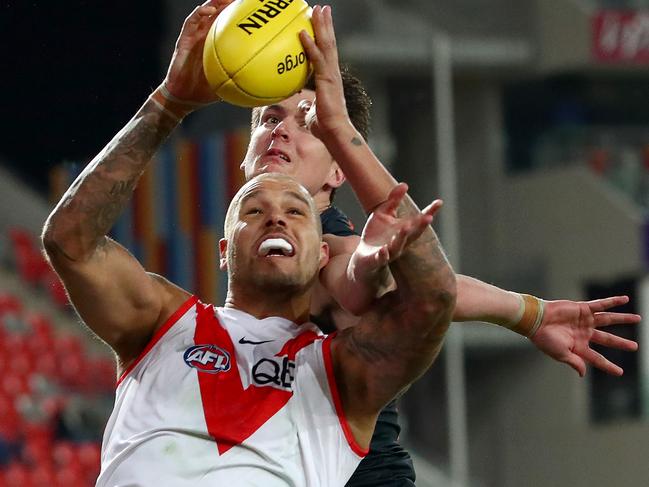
point(568, 328)
point(185, 78)
point(329, 111)
point(386, 235)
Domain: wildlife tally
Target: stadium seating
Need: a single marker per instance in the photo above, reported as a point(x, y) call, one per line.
point(48, 375)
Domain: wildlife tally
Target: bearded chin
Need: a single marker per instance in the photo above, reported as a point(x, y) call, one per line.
point(277, 283)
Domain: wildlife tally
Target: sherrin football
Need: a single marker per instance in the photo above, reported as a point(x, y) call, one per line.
point(253, 55)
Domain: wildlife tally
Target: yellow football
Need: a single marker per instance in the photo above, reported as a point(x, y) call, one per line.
point(253, 55)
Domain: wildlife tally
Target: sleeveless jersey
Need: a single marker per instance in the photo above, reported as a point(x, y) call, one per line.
point(220, 398)
point(387, 463)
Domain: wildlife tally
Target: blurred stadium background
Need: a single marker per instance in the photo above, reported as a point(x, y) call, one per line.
point(530, 118)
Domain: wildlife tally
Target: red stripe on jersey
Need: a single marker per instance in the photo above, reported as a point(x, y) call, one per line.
point(326, 354)
point(232, 413)
point(171, 321)
point(294, 345)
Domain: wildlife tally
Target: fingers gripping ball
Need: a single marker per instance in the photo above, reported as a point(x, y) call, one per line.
point(253, 55)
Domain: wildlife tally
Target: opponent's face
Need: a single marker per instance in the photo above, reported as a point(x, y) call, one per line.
point(273, 238)
point(282, 143)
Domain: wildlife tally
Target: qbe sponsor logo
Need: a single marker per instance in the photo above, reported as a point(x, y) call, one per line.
point(276, 371)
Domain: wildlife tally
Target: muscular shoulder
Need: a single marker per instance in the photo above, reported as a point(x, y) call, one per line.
point(170, 297)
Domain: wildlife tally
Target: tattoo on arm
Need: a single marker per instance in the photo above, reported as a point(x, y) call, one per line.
point(423, 275)
point(93, 203)
point(357, 141)
point(423, 264)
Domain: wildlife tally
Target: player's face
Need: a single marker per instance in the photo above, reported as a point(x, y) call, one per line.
point(282, 143)
point(274, 242)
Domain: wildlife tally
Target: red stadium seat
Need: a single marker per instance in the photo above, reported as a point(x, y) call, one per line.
point(46, 364)
point(39, 431)
point(32, 266)
point(39, 345)
point(69, 345)
point(40, 324)
point(13, 385)
point(53, 405)
point(55, 290)
point(70, 476)
point(20, 237)
point(14, 352)
point(65, 454)
point(43, 475)
point(10, 304)
point(10, 420)
point(36, 452)
point(106, 374)
point(17, 475)
point(27, 256)
point(21, 364)
point(89, 454)
point(72, 371)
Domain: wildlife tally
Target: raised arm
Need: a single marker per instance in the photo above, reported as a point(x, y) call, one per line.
point(565, 328)
point(398, 339)
point(561, 329)
point(329, 121)
point(110, 290)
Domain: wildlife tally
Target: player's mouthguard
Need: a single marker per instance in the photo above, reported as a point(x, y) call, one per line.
point(276, 246)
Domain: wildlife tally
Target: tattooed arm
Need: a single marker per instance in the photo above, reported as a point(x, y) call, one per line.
point(110, 290)
point(399, 338)
point(113, 294)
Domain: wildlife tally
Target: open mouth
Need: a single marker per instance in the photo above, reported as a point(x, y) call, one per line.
point(276, 247)
point(278, 154)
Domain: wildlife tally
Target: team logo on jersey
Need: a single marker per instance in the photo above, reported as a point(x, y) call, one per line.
point(207, 358)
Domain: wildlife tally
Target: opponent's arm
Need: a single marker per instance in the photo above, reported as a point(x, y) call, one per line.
point(561, 329)
point(328, 119)
point(354, 282)
point(111, 291)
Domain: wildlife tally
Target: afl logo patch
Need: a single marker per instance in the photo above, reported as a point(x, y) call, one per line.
point(207, 358)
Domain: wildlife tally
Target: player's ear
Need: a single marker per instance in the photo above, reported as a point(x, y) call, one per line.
point(336, 177)
point(324, 254)
point(223, 252)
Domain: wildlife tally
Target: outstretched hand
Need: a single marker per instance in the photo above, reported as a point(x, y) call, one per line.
point(329, 111)
point(568, 328)
point(386, 234)
point(185, 78)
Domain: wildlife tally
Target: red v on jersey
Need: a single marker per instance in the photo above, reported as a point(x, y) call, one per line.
point(233, 413)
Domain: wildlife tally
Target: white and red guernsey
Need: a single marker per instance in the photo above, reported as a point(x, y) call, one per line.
point(219, 397)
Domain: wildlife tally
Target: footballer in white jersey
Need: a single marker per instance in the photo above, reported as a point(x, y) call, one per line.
point(221, 398)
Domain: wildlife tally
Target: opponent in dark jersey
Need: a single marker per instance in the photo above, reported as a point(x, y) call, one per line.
point(387, 464)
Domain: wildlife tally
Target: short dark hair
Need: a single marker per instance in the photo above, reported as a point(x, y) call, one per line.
point(356, 98)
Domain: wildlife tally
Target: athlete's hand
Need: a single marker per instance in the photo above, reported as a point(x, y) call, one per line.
point(329, 112)
point(387, 234)
point(568, 328)
point(185, 79)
